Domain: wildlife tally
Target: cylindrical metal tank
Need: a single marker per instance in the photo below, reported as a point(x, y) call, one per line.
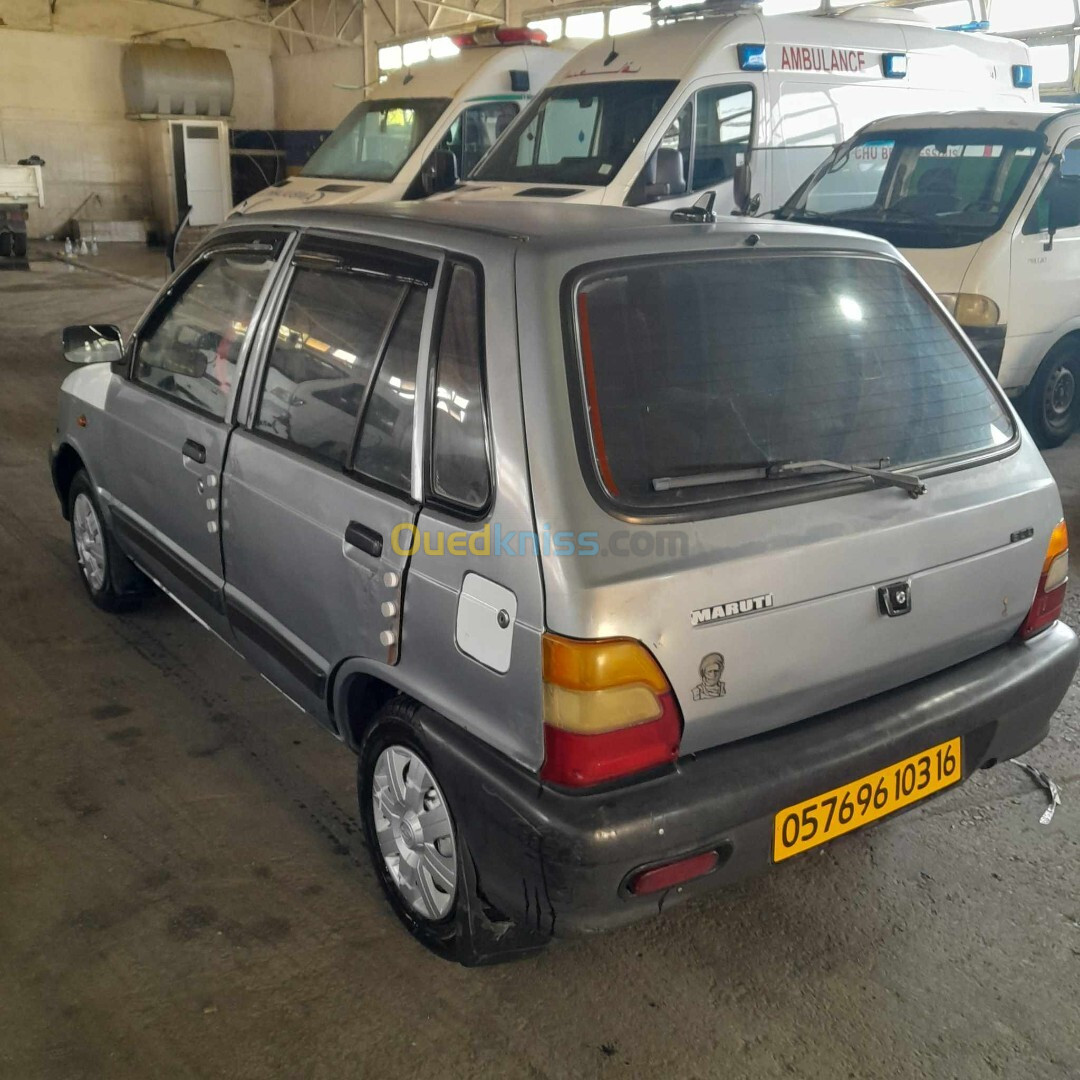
point(176, 79)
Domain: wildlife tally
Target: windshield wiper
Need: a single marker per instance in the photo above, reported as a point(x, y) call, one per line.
point(772, 470)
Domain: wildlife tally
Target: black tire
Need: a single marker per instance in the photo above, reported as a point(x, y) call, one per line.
point(395, 726)
point(19, 245)
point(470, 931)
point(1053, 399)
point(7, 245)
point(111, 580)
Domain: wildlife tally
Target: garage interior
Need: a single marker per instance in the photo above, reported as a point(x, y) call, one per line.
point(184, 887)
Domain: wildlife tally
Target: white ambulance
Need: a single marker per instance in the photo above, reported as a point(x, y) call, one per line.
point(738, 103)
point(423, 122)
point(986, 206)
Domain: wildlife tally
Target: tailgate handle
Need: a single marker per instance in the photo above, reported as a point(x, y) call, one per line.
point(367, 540)
point(195, 451)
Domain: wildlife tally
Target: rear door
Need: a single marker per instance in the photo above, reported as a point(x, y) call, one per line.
point(171, 418)
point(325, 474)
point(771, 596)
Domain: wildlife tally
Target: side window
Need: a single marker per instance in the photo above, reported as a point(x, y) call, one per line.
point(459, 460)
point(721, 132)
point(475, 130)
point(384, 452)
point(190, 353)
point(1039, 218)
point(326, 347)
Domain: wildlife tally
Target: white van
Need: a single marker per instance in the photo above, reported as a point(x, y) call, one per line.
point(666, 114)
point(444, 114)
point(986, 205)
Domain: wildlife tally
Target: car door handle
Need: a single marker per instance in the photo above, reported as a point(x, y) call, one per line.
point(367, 540)
point(195, 451)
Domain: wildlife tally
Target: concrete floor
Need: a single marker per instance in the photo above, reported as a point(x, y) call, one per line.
point(184, 890)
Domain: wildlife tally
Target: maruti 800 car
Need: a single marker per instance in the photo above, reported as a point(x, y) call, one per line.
point(630, 556)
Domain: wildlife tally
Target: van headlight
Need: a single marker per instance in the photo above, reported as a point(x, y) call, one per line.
point(971, 309)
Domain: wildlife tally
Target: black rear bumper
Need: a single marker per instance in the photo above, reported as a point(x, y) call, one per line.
point(558, 862)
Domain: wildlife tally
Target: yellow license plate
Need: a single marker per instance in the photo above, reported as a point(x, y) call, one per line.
point(844, 809)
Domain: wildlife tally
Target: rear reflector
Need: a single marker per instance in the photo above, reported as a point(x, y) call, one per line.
point(673, 873)
point(1050, 595)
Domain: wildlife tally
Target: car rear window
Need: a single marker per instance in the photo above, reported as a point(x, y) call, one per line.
point(700, 368)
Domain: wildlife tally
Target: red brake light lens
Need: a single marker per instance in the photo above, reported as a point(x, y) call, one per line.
point(1050, 595)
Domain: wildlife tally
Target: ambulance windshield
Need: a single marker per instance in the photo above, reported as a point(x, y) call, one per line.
point(921, 189)
point(576, 134)
point(375, 139)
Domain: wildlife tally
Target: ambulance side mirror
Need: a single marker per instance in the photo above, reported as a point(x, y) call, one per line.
point(745, 203)
point(439, 172)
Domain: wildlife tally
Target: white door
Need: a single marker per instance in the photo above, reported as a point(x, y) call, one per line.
point(205, 174)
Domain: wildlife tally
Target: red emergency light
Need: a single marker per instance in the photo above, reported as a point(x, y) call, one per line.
point(500, 35)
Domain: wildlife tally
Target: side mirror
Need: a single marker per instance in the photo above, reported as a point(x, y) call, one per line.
point(101, 344)
point(439, 172)
point(745, 203)
point(663, 175)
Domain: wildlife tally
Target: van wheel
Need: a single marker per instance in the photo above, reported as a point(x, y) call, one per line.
point(19, 245)
point(6, 244)
point(418, 848)
point(1053, 398)
point(111, 580)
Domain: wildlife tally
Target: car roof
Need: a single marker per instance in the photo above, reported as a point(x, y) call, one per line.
point(552, 226)
point(1028, 118)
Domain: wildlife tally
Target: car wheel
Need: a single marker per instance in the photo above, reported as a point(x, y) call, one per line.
point(410, 830)
point(419, 849)
point(19, 245)
point(102, 566)
point(1053, 398)
point(6, 245)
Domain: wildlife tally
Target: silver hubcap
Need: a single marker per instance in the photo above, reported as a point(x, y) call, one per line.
point(415, 834)
point(1060, 393)
point(89, 541)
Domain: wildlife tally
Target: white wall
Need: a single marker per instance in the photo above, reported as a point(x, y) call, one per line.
point(61, 98)
point(305, 96)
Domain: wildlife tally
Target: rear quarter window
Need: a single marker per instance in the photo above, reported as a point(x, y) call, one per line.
point(697, 367)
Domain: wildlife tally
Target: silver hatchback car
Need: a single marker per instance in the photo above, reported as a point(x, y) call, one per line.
point(630, 556)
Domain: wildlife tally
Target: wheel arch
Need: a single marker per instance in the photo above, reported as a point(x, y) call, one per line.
point(356, 696)
point(66, 463)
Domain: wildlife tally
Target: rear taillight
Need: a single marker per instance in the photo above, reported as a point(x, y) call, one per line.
point(1050, 595)
point(609, 711)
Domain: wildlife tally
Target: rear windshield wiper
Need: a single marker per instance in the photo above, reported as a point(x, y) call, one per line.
point(771, 470)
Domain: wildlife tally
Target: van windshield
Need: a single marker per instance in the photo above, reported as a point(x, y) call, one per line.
point(578, 134)
point(375, 139)
point(921, 189)
point(726, 365)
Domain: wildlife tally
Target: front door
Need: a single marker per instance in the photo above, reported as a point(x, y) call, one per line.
point(171, 420)
point(1045, 275)
point(318, 485)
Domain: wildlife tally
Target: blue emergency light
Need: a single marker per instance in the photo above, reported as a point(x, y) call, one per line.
point(752, 57)
point(1023, 76)
point(894, 65)
point(981, 26)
